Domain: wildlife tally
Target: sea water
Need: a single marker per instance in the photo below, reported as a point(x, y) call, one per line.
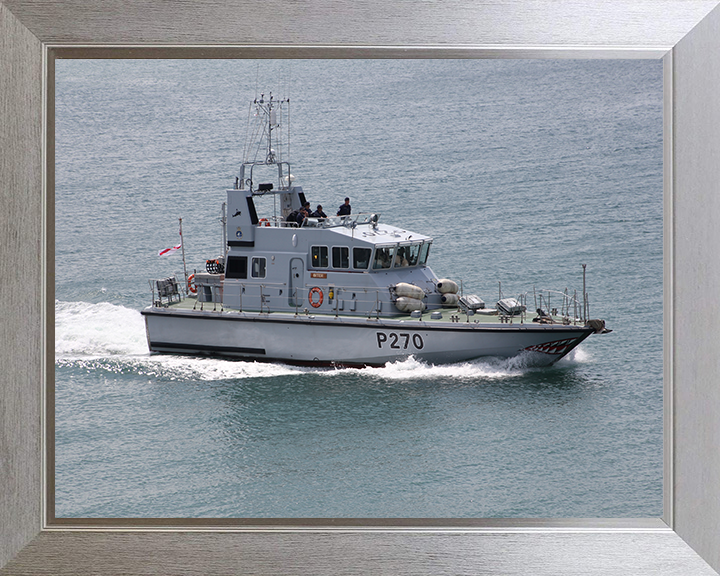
point(521, 170)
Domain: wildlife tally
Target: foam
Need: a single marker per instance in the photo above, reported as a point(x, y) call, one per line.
point(415, 369)
point(487, 368)
point(112, 338)
point(85, 330)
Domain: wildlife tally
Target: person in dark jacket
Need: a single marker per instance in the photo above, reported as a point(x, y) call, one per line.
point(292, 218)
point(319, 212)
point(304, 213)
point(345, 209)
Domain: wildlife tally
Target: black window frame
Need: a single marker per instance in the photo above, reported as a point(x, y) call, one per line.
point(237, 267)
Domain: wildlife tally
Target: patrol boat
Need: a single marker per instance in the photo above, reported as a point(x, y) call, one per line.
point(341, 290)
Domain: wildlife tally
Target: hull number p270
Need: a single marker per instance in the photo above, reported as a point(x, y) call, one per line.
point(401, 341)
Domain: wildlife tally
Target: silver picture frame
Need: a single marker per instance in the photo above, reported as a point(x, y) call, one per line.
point(685, 34)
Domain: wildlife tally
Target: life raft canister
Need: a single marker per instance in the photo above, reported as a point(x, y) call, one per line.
point(313, 291)
point(191, 284)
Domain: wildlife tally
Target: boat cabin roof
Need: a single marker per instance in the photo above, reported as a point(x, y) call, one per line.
point(362, 228)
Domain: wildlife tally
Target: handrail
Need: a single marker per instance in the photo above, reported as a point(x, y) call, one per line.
point(567, 301)
point(368, 301)
point(348, 221)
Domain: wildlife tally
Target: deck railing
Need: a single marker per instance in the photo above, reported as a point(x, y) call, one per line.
point(166, 291)
point(349, 221)
point(358, 301)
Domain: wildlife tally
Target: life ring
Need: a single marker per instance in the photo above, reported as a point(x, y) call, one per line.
point(191, 284)
point(319, 292)
point(267, 222)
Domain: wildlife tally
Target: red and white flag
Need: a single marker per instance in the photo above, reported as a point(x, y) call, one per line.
point(168, 250)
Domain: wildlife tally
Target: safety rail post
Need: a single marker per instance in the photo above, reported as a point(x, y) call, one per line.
point(587, 305)
point(575, 306)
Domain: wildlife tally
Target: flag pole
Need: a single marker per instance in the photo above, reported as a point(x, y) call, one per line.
point(182, 245)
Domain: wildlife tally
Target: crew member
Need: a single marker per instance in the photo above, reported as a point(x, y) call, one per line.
point(304, 213)
point(345, 209)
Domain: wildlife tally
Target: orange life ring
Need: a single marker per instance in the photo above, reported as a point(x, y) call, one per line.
point(267, 222)
point(191, 284)
point(315, 290)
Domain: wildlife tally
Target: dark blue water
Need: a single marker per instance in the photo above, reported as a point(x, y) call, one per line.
point(522, 170)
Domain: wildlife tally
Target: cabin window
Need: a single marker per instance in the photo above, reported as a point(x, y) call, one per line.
point(258, 267)
point(319, 256)
point(383, 257)
point(412, 253)
point(361, 258)
point(402, 258)
point(236, 267)
point(341, 257)
point(424, 252)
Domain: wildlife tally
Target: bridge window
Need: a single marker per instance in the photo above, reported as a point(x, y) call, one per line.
point(340, 257)
point(319, 256)
point(361, 258)
point(424, 252)
point(383, 257)
point(407, 255)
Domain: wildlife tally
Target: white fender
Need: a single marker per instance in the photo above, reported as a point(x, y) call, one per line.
point(446, 286)
point(403, 289)
point(405, 304)
point(450, 299)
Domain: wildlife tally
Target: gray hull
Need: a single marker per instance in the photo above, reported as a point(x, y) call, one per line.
point(344, 341)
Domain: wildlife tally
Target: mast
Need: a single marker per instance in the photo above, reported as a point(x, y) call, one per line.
point(272, 123)
point(182, 245)
point(263, 146)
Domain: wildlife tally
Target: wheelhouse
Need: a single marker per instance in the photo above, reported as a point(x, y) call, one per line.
point(380, 257)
